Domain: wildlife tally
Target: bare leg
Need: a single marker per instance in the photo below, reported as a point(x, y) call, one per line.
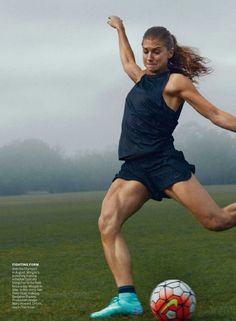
point(122, 200)
point(194, 197)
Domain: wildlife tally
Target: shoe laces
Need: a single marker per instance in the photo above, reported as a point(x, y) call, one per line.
point(114, 300)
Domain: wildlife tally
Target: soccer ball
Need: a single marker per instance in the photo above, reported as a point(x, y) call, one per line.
point(172, 300)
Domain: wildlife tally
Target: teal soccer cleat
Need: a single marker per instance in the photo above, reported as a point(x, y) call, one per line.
point(124, 304)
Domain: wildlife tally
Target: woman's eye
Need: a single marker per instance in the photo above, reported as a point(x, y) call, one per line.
point(155, 52)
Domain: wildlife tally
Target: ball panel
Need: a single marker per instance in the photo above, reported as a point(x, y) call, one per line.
point(171, 314)
point(173, 284)
point(178, 291)
point(155, 296)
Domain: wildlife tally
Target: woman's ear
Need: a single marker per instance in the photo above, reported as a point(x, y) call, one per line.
point(171, 53)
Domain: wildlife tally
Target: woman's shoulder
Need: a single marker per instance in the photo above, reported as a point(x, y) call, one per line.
point(176, 82)
point(178, 76)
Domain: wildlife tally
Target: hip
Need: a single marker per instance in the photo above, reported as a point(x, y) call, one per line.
point(157, 160)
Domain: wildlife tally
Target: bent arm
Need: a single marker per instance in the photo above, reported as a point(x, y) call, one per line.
point(126, 52)
point(220, 118)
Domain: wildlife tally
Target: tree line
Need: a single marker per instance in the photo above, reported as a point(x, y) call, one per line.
point(33, 166)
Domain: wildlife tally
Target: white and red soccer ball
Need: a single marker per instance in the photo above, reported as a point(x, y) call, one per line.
point(172, 300)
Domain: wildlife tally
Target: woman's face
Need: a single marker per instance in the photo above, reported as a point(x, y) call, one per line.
point(155, 55)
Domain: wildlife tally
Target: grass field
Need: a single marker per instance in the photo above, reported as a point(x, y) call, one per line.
point(60, 232)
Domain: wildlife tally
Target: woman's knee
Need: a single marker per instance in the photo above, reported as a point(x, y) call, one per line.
point(124, 198)
point(108, 223)
point(213, 225)
point(214, 221)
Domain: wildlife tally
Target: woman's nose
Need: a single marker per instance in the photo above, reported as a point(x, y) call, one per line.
point(149, 56)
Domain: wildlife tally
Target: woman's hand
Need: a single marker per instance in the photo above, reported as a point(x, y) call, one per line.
point(115, 22)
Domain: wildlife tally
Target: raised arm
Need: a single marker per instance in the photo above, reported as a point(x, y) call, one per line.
point(126, 53)
point(184, 88)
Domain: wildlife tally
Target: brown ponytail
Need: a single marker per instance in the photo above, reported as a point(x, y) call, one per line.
point(186, 60)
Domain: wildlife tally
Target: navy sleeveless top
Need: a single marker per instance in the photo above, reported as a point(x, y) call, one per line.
point(148, 123)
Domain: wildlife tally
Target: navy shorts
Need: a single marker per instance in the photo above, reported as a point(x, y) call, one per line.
point(157, 171)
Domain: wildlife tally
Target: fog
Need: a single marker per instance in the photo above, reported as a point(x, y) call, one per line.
point(61, 79)
point(32, 166)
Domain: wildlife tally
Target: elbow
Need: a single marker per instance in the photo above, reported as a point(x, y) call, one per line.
point(216, 120)
point(128, 64)
point(219, 121)
point(125, 68)
point(224, 120)
point(216, 117)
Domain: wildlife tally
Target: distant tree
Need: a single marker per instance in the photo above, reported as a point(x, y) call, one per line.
point(212, 150)
point(96, 169)
point(29, 166)
point(32, 165)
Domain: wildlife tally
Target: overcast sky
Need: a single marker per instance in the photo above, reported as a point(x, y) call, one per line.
point(60, 75)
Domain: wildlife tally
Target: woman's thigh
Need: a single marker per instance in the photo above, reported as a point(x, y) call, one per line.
point(196, 199)
point(123, 199)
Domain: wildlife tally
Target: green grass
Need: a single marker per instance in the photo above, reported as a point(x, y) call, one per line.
point(60, 232)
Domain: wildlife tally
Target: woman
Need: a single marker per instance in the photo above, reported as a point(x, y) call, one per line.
point(152, 167)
